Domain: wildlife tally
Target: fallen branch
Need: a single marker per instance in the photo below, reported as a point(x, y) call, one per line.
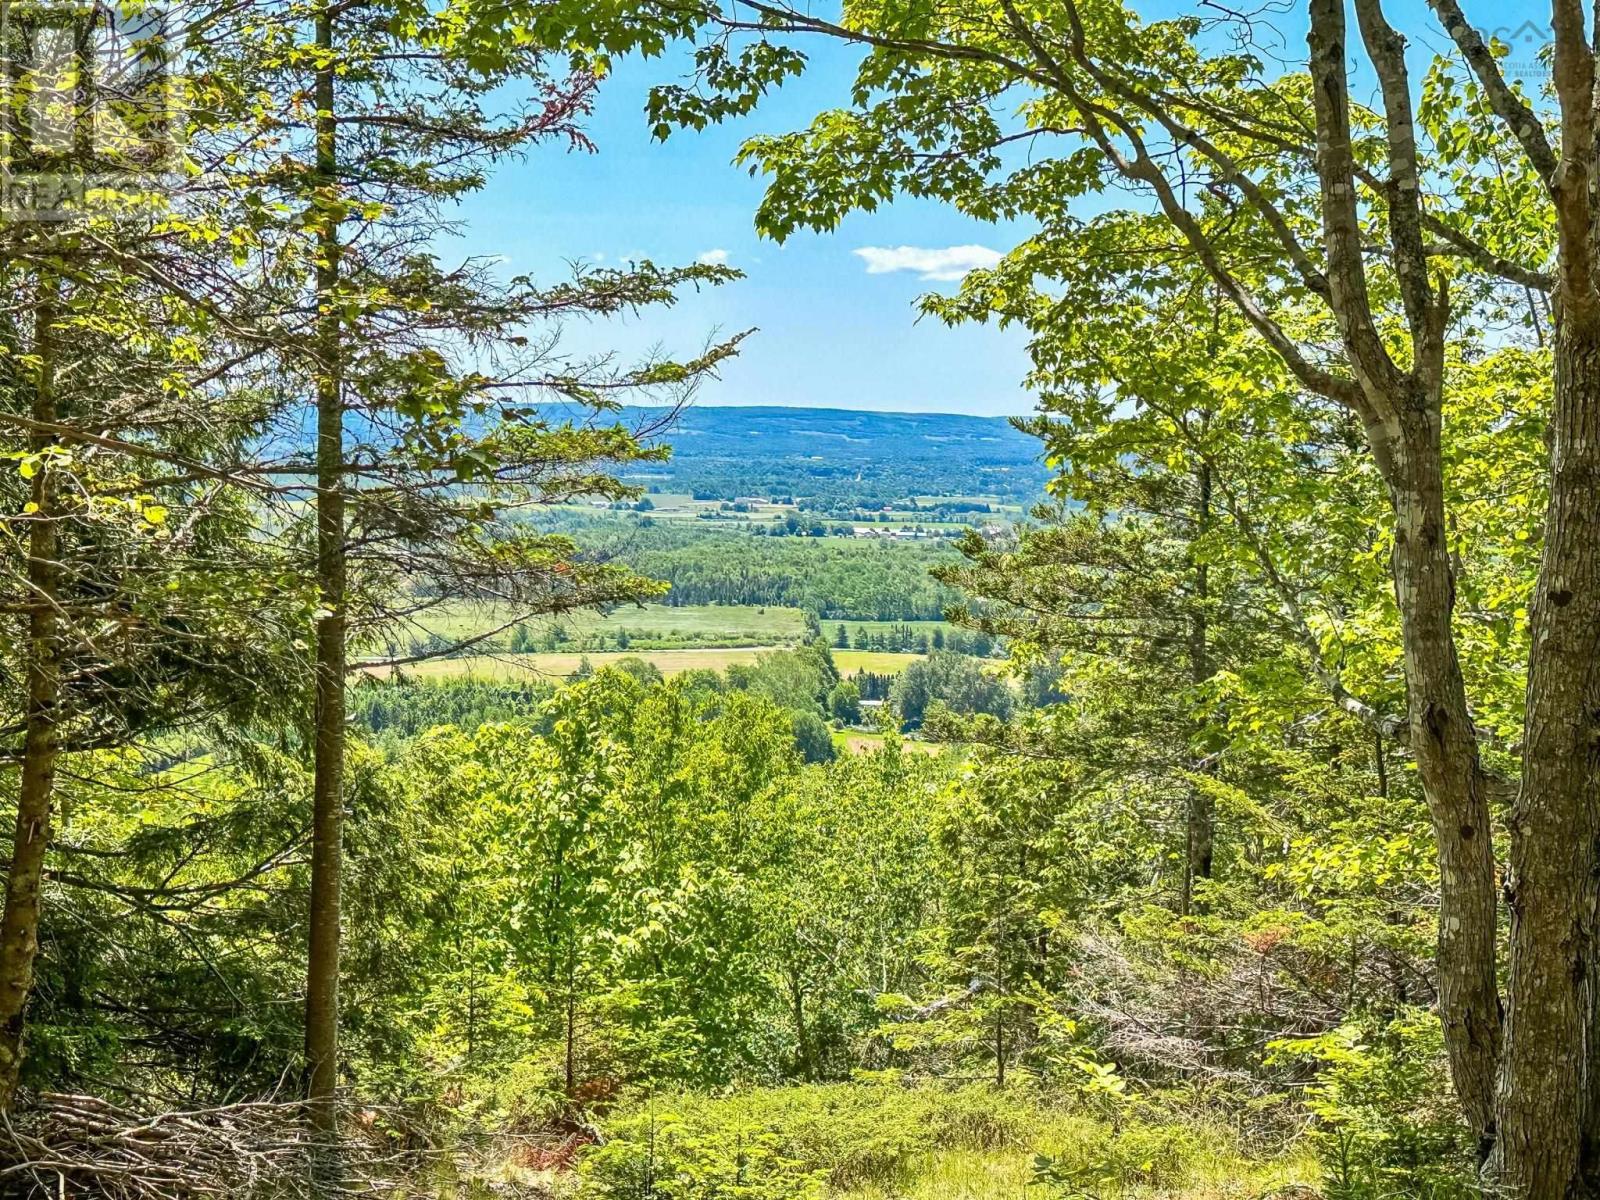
point(60, 1145)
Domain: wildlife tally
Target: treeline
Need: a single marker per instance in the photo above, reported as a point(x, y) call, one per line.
point(872, 685)
point(804, 682)
point(907, 506)
point(400, 711)
point(907, 638)
point(835, 578)
point(864, 579)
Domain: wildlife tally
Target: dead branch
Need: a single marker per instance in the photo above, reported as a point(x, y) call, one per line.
point(60, 1145)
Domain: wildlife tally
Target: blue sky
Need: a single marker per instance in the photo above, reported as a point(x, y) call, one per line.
point(834, 313)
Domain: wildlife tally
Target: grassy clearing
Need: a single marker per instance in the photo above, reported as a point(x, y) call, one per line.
point(885, 1141)
point(1010, 1175)
point(857, 741)
point(950, 498)
point(878, 662)
point(997, 505)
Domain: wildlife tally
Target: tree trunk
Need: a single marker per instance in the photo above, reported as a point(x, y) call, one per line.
point(322, 965)
point(572, 1028)
point(1000, 1003)
point(19, 927)
point(1200, 828)
point(1000, 1045)
point(801, 1036)
point(1551, 873)
point(1445, 745)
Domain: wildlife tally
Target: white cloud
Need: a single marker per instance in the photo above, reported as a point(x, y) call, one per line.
point(713, 258)
point(935, 264)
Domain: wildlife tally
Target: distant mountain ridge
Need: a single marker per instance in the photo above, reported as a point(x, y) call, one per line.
point(835, 454)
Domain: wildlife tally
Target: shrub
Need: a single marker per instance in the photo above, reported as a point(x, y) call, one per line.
point(1162, 1157)
point(1387, 1120)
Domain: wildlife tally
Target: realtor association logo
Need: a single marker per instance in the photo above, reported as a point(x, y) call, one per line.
point(90, 106)
point(1526, 49)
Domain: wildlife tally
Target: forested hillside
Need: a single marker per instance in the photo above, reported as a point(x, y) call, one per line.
point(445, 762)
point(836, 459)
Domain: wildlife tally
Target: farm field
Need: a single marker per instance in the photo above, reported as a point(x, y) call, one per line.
point(997, 503)
point(564, 664)
point(661, 626)
point(680, 506)
point(877, 662)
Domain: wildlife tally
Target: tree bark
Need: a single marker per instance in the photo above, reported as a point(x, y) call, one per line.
point(1445, 744)
point(572, 1025)
point(1551, 874)
point(807, 1068)
point(322, 961)
point(19, 927)
point(1200, 828)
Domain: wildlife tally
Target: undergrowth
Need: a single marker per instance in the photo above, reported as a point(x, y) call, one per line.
point(887, 1141)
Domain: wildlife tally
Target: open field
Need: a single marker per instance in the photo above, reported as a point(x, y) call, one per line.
point(564, 664)
point(679, 510)
point(680, 506)
point(656, 626)
point(1011, 1172)
point(878, 662)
